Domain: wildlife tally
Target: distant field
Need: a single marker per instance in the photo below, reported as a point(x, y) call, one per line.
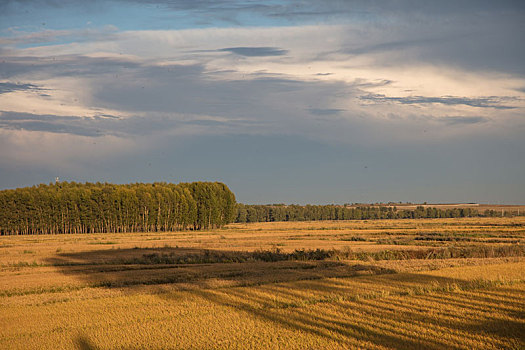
point(378, 284)
point(506, 208)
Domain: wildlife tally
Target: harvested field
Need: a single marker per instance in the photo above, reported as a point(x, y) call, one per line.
point(385, 284)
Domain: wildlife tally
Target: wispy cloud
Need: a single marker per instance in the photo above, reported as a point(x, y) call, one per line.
point(464, 120)
point(255, 51)
point(62, 65)
point(94, 127)
point(11, 87)
point(351, 81)
point(46, 36)
point(110, 125)
point(480, 102)
point(325, 111)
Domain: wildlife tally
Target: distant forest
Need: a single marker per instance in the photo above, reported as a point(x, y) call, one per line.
point(70, 207)
point(282, 212)
point(101, 207)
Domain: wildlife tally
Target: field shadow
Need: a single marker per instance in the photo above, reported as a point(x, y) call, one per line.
point(83, 343)
point(201, 267)
point(313, 295)
point(382, 318)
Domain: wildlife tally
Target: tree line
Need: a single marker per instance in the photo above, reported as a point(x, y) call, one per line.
point(70, 207)
point(282, 212)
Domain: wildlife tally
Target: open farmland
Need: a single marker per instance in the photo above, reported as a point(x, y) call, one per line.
point(501, 209)
point(404, 284)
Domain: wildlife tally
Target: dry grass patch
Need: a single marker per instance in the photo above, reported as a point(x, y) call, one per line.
point(135, 291)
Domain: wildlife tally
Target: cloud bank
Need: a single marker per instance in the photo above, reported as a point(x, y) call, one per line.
point(350, 78)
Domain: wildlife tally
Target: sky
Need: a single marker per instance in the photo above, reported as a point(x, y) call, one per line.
point(334, 101)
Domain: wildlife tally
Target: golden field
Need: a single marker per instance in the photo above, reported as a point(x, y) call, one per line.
point(186, 290)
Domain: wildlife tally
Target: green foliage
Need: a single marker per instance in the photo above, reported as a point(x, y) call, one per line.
point(281, 212)
point(102, 207)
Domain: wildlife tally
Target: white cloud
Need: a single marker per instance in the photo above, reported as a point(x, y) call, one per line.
point(67, 151)
point(179, 81)
point(424, 94)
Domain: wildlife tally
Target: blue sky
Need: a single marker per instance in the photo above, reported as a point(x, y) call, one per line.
point(284, 101)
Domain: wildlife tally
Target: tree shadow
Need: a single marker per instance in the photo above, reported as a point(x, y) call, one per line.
point(117, 268)
point(346, 302)
point(83, 343)
point(377, 319)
